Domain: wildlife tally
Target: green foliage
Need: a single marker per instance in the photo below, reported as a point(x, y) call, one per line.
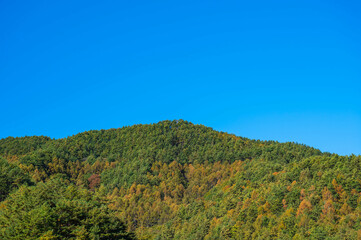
point(57, 210)
point(21, 145)
point(176, 180)
point(11, 177)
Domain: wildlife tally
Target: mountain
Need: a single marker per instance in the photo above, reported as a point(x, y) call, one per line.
point(175, 180)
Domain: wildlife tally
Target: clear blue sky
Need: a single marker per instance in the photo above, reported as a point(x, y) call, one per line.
point(280, 70)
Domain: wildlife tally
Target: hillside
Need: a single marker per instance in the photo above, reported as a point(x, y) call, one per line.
point(175, 180)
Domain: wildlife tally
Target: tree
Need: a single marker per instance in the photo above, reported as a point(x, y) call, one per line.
point(11, 177)
point(58, 210)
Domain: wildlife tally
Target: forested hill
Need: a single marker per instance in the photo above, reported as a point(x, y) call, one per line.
point(175, 180)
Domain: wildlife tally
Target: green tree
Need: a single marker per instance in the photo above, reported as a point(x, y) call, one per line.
point(11, 177)
point(57, 210)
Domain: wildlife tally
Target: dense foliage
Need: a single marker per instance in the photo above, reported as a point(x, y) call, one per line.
point(58, 210)
point(175, 180)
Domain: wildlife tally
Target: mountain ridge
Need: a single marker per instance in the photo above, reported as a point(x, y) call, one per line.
point(178, 180)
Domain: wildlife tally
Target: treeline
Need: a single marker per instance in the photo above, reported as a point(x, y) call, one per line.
point(175, 180)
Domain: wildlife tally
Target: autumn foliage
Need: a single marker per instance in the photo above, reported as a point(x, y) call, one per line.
point(176, 180)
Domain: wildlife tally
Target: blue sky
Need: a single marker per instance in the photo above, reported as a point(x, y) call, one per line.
point(270, 70)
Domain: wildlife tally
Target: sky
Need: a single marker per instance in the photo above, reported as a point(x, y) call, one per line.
point(269, 70)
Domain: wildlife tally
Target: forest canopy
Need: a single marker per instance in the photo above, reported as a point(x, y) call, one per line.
point(175, 180)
